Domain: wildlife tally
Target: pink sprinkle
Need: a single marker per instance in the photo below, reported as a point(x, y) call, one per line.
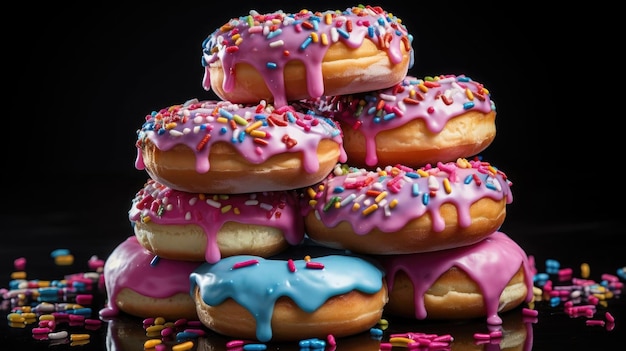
point(495, 334)
point(160, 347)
point(167, 331)
point(245, 263)
point(438, 345)
point(609, 317)
point(481, 336)
point(529, 312)
point(314, 265)
point(444, 338)
point(148, 321)
point(180, 322)
point(41, 330)
point(609, 277)
point(291, 265)
point(594, 322)
point(385, 346)
point(19, 264)
point(194, 324)
point(198, 332)
point(331, 340)
point(84, 299)
point(235, 343)
point(90, 321)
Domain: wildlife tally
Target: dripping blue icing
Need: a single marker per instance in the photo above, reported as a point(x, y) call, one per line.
point(257, 287)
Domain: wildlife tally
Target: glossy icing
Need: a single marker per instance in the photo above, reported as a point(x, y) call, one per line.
point(392, 196)
point(257, 283)
point(257, 132)
point(491, 263)
point(434, 100)
point(277, 38)
point(133, 267)
point(165, 206)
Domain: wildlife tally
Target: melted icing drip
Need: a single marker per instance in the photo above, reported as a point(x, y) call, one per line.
point(393, 196)
point(305, 36)
point(129, 266)
point(259, 283)
point(257, 132)
point(165, 206)
point(491, 263)
point(434, 100)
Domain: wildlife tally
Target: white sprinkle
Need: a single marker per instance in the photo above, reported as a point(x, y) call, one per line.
point(57, 335)
point(277, 43)
point(213, 203)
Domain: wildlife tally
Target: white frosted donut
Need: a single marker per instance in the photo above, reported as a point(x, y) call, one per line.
point(223, 148)
point(204, 227)
point(281, 57)
point(400, 210)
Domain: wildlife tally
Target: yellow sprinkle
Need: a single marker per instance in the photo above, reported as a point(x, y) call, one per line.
point(312, 203)
point(64, 260)
point(446, 185)
point(187, 345)
point(254, 126)
point(355, 206)
point(422, 173)
point(29, 315)
point(314, 37)
point(170, 125)
point(46, 317)
point(154, 334)
point(422, 88)
point(258, 134)
point(237, 210)
point(380, 196)
point(155, 328)
point(226, 208)
point(238, 41)
point(469, 94)
point(585, 270)
point(18, 275)
point(159, 320)
point(400, 341)
point(328, 18)
point(393, 203)
point(78, 337)
point(370, 209)
point(151, 343)
point(324, 39)
point(79, 342)
point(15, 318)
point(311, 193)
point(221, 120)
point(236, 36)
point(493, 170)
point(146, 219)
point(307, 258)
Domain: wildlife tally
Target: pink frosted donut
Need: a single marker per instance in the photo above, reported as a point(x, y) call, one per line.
point(400, 210)
point(223, 148)
point(415, 122)
point(479, 280)
point(144, 285)
point(281, 57)
point(204, 227)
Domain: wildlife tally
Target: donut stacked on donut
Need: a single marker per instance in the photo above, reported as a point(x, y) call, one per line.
point(416, 122)
point(280, 57)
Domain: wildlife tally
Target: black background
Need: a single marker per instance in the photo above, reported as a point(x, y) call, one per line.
point(79, 80)
point(85, 77)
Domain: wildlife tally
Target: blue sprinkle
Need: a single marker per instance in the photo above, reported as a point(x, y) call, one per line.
point(290, 117)
point(254, 347)
point(555, 301)
point(154, 261)
point(621, 272)
point(371, 110)
point(343, 33)
point(370, 31)
point(413, 175)
point(468, 179)
point(468, 105)
point(415, 189)
point(161, 131)
point(376, 119)
point(225, 113)
point(272, 34)
point(425, 199)
point(389, 116)
point(185, 335)
point(463, 79)
point(223, 130)
point(59, 252)
point(490, 185)
point(271, 65)
point(338, 189)
point(306, 43)
point(376, 332)
point(241, 136)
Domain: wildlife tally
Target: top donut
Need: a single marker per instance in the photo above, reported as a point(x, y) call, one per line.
point(280, 57)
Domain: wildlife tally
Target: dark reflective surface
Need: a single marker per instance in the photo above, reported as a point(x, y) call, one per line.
point(91, 228)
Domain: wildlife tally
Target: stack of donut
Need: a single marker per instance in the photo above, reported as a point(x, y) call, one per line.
point(325, 188)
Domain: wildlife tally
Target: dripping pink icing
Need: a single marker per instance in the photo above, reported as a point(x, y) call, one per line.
point(406, 194)
point(432, 100)
point(166, 206)
point(258, 132)
point(129, 266)
point(491, 263)
point(277, 38)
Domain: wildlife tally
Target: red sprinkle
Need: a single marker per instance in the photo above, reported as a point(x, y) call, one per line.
point(314, 265)
point(245, 263)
